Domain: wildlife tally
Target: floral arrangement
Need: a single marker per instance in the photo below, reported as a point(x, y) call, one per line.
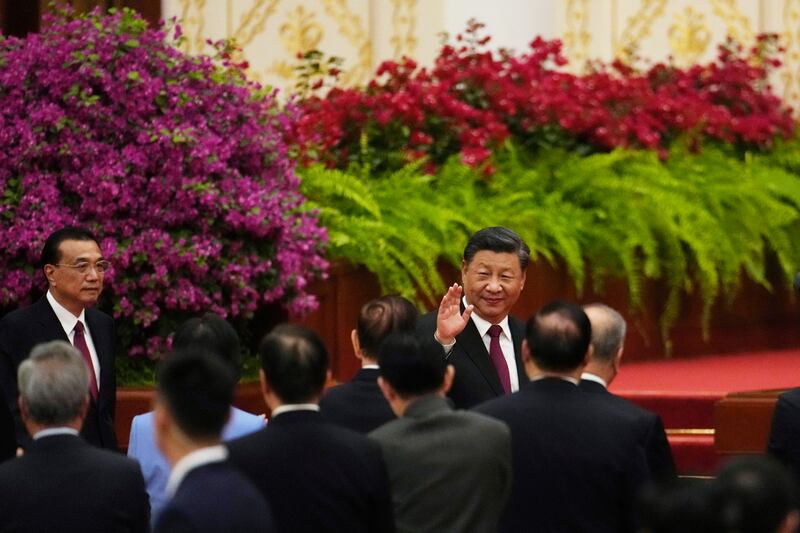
point(472, 100)
point(179, 163)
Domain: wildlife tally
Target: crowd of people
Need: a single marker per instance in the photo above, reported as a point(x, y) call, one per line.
point(463, 419)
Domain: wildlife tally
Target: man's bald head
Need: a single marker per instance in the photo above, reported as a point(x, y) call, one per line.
point(558, 336)
point(608, 332)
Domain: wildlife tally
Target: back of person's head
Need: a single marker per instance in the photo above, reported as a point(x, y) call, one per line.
point(499, 240)
point(53, 383)
point(213, 334)
point(756, 495)
point(381, 317)
point(558, 336)
point(197, 389)
point(412, 366)
point(679, 506)
point(51, 254)
point(608, 331)
point(295, 363)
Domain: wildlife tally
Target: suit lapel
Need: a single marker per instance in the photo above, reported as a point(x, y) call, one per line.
point(472, 345)
point(51, 327)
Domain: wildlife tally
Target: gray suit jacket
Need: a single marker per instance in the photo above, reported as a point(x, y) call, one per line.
point(449, 470)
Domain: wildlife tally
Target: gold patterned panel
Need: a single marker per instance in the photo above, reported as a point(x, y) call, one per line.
point(791, 40)
point(192, 22)
point(736, 23)
point(253, 21)
point(689, 36)
point(300, 33)
point(351, 27)
point(577, 36)
point(404, 21)
point(638, 27)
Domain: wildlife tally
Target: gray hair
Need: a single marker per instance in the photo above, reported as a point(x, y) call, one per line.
point(53, 383)
point(608, 331)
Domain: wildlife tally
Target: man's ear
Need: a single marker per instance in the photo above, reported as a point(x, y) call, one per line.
point(449, 373)
point(464, 266)
point(262, 378)
point(23, 409)
point(49, 270)
point(356, 344)
point(617, 360)
point(387, 390)
point(526, 352)
point(587, 356)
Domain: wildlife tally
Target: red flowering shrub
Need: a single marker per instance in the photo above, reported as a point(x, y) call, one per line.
point(472, 99)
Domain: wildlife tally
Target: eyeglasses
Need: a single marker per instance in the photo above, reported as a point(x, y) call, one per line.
point(83, 267)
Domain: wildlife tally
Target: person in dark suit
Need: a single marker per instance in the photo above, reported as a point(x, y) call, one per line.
point(359, 404)
point(481, 340)
point(441, 480)
point(74, 267)
point(576, 466)
point(784, 435)
point(193, 403)
point(61, 483)
point(608, 337)
point(317, 476)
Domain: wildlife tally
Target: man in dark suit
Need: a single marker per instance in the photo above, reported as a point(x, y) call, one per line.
point(74, 267)
point(318, 477)
point(441, 479)
point(193, 403)
point(784, 436)
point(359, 404)
point(577, 466)
point(62, 483)
point(481, 340)
point(608, 337)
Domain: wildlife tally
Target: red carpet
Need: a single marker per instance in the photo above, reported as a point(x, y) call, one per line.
point(683, 392)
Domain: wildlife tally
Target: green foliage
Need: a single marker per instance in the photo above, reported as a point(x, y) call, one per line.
point(696, 222)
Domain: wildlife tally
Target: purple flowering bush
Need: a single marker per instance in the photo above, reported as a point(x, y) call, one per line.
point(178, 162)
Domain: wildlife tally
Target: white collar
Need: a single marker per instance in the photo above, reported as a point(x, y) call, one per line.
point(66, 318)
point(49, 432)
point(594, 377)
point(563, 378)
point(483, 325)
point(286, 408)
point(195, 459)
point(371, 366)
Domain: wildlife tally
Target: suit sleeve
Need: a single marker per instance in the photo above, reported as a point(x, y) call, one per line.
point(783, 431)
point(636, 475)
point(659, 453)
point(173, 520)
point(8, 382)
point(383, 517)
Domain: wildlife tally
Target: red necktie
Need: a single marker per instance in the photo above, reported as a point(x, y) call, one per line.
point(496, 355)
point(80, 344)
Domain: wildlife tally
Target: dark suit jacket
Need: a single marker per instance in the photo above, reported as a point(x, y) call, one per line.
point(652, 436)
point(449, 470)
point(63, 484)
point(476, 379)
point(317, 477)
point(215, 498)
point(23, 329)
point(358, 404)
point(577, 467)
point(784, 437)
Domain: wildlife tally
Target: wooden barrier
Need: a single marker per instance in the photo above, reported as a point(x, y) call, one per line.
point(742, 422)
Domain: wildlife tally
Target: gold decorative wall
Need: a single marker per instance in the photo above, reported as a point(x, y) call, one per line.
point(364, 32)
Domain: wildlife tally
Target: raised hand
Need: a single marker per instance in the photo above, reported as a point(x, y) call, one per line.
point(450, 321)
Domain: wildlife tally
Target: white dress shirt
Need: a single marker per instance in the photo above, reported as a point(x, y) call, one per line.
point(68, 321)
point(594, 377)
point(49, 432)
point(506, 344)
point(286, 408)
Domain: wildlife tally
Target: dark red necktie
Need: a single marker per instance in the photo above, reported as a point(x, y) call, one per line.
point(496, 355)
point(80, 344)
